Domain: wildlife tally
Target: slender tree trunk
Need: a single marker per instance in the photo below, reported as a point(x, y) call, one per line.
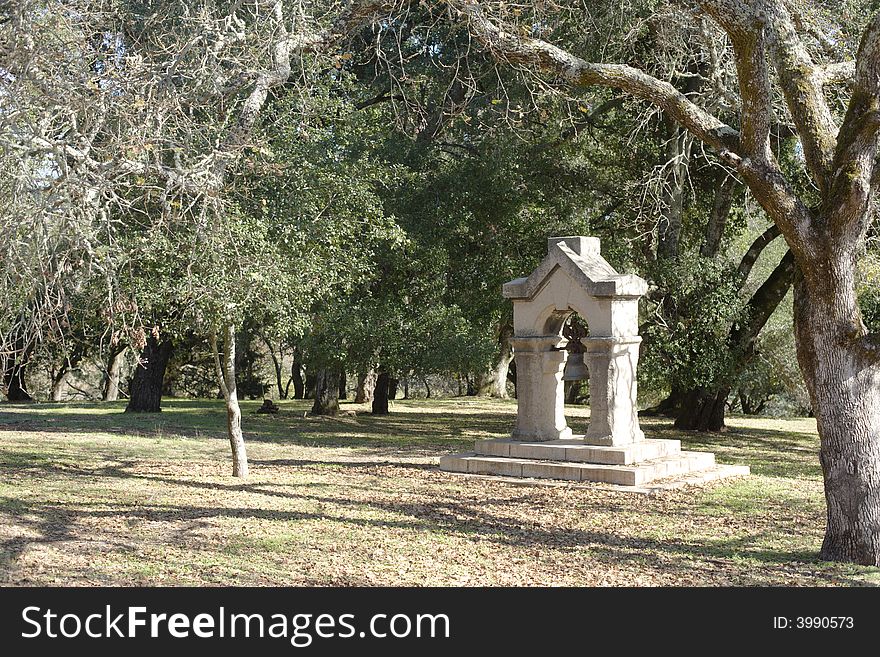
point(343, 385)
point(406, 387)
point(380, 393)
point(843, 379)
point(678, 157)
point(427, 387)
point(725, 194)
point(59, 383)
point(326, 391)
point(502, 363)
point(145, 394)
point(296, 373)
point(366, 384)
point(225, 370)
point(393, 385)
point(277, 365)
point(110, 389)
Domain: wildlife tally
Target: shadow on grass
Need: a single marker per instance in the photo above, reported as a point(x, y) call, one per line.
point(475, 519)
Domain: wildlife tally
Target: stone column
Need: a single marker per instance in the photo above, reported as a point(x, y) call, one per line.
point(612, 362)
point(540, 396)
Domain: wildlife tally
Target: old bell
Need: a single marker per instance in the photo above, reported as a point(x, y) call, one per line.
point(575, 370)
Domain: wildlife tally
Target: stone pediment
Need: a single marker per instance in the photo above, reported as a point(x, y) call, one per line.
point(579, 257)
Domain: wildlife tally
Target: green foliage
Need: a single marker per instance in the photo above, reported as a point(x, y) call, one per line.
point(690, 349)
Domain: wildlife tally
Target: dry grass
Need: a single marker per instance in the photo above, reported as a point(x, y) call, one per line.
point(89, 495)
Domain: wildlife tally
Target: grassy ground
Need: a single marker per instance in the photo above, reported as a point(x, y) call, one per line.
point(89, 495)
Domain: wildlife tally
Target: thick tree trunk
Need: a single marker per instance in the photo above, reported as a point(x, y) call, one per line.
point(326, 392)
point(380, 394)
point(225, 371)
point(702, 409)
point(110, 389)
point(311, 382)
point(669, 407)
point(843, 379)
point(366, 384)
point(145, 394)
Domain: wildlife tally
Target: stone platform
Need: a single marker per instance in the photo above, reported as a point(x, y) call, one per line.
point(637, 464)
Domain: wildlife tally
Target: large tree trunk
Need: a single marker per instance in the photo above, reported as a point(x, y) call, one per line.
point(380, 394)
point(145, 394)
point(110, 389)
point(225, 371)
point(366, 384)
point(702, 409)
point(843, 379)
point(326, 391)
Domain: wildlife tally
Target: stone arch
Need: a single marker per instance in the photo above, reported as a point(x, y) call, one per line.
point(574, 277)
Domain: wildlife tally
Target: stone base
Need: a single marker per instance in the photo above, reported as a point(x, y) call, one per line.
point(522, 437)
point(637, 464)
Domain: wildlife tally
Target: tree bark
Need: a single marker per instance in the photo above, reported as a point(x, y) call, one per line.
point(310, 383)
point(326, 391)
point(678, 156)
point(296, 374)
point(702, 409)
point(277, 365)
point(225, 370)
point(380, 394)
point(110, 389)
point(725, 195)
point(59, 382)
point(501, 367)
point(145, 393)
point(343, 385)
point(393, 385)
point(14, 386)
point(843, 379)
point(366, 384)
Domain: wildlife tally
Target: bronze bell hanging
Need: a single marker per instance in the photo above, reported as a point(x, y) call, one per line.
point(575, 369)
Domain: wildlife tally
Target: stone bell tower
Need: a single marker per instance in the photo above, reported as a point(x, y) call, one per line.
point(574, 277)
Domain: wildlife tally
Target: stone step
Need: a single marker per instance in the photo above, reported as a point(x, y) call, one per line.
point(636, 474)
point(575, 450)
